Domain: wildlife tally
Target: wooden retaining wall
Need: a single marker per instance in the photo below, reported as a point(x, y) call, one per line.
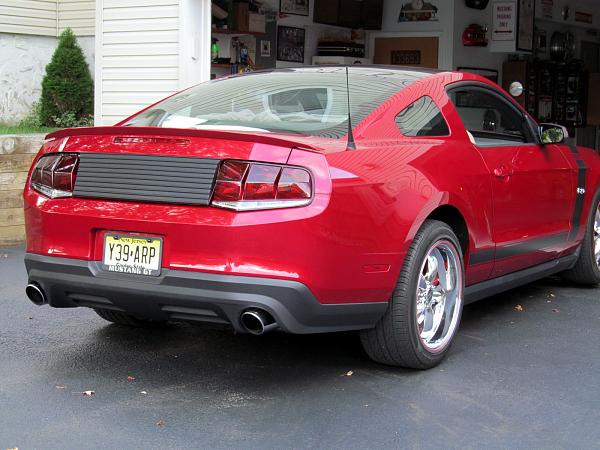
point(16, 154)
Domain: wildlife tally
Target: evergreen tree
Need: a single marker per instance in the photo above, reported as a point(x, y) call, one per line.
point(67, 88)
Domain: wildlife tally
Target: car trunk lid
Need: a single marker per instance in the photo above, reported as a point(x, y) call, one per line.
point(164, 165)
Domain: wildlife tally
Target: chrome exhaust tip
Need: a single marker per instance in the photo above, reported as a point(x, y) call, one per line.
point(36, 294)
point(257, 321)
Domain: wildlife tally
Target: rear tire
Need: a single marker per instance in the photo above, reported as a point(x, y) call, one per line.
point(121, 318)
point(587, 268)
point(402, 336)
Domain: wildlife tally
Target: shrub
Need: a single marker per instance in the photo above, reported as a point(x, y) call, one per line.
point(68, 120)
point(67, 88)
point(32, 120)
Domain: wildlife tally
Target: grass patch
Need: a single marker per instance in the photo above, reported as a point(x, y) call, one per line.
point(24, 129)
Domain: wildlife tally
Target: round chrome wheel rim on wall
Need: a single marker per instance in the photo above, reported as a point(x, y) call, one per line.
point(440, 295)
point(596, 237)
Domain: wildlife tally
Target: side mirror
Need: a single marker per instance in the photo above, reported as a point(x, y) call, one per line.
point(551, 133)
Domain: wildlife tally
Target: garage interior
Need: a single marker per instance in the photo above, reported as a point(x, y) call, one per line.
point(554, 51)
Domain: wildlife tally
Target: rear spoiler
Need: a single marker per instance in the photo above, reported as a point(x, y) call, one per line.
point(261, 138)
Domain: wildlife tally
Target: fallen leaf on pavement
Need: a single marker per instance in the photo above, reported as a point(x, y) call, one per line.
point(130, 378)
point(161, 423)
point(86, 393)
point(518, 308)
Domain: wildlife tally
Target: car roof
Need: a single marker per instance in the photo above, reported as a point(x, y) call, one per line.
point(363, 68)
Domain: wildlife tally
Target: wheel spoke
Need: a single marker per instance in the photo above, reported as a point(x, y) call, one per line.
point(438, 315)
point(443, 272)
point(449, 310)
point(432, 269)
point(421, 305)
point(427, 324)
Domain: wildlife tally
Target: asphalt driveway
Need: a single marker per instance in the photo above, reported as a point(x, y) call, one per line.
point(524, 376)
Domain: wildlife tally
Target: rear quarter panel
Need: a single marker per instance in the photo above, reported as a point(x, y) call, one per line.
point(386, 189)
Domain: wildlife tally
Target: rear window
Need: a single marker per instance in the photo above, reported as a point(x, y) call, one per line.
point(306, 101)
point(422, 118)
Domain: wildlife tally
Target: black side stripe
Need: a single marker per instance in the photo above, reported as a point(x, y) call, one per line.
point(518, 249)
point(578, 210)
point(482, 257)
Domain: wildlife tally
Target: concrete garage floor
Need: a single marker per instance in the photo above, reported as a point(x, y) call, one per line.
point(528, 379)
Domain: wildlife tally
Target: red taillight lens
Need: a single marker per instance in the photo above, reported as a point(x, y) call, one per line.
point(245, 186)
point(294, 184)
point(42, 173)
point(65, 172)
point(260, 184)
point(54, 175)
point(228, 186)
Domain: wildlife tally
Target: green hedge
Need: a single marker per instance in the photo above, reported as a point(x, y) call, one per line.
point(67, 89)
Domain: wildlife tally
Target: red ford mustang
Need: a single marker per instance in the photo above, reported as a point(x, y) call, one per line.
point(313, 200)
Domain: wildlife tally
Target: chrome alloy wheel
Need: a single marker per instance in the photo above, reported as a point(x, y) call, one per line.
point(440, 295)
point(596, 238)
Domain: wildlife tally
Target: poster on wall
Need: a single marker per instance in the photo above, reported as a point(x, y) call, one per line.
point(290, 44)
point(525, 29)
point(297, 7)
point(265, 46)
point(418, 11)
point(265, 49)
point(503, 22)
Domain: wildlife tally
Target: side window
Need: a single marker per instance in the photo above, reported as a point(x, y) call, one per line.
point(489, 119)
point(422, 118)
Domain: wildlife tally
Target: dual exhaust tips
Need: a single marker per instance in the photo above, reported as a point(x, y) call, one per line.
point(255, 321)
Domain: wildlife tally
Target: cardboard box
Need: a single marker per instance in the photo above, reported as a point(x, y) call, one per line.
point(240, 16)
point(256, 23)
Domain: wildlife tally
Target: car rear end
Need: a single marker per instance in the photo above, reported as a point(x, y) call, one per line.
point(183, 228)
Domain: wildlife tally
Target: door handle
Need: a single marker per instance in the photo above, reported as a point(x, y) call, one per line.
point(502, 171)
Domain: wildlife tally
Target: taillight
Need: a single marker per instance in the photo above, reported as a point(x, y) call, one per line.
point(247, 186)
point(54, 175)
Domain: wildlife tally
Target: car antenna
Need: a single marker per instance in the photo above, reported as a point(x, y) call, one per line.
point(350, 145)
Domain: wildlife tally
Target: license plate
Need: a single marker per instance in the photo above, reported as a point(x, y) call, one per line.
point(137, 255)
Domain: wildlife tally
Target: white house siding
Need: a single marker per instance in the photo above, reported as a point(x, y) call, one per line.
point(23, 59)
point(36, 17)
point(77, 15)
point(137, 51)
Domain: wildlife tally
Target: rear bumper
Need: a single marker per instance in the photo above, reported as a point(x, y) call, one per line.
point(195, 296)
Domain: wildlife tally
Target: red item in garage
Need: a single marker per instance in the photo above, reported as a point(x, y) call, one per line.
point(475, 36)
